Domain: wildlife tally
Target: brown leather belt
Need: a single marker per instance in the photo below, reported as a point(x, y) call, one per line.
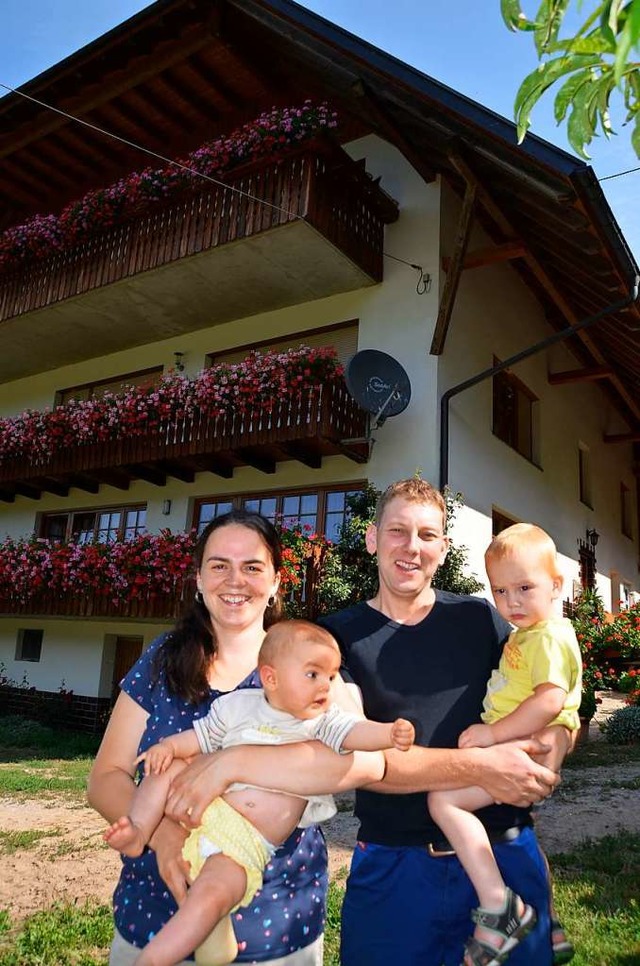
point(440, 848)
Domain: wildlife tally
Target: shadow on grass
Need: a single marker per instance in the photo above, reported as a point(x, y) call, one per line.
point(22, 740)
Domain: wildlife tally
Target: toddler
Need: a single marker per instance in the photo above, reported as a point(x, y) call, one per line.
point(241, 830)
point(538, 683)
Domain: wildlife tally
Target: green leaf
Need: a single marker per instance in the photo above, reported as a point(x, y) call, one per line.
point(568, 91)
point(580, 127)
point(512, 14)
point(635, 136)
point(605, 87)
point(549, 20)
point(628, 39)
point(547, 74)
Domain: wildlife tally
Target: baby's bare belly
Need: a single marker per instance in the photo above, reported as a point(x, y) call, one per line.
point(274, 814)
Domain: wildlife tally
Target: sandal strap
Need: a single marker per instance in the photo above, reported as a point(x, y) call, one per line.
point(479, 953)
point(506, 922)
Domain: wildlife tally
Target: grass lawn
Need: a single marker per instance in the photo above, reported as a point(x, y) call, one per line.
point(596, 885)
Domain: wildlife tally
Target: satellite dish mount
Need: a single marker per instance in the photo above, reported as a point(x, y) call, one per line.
point(379, 385)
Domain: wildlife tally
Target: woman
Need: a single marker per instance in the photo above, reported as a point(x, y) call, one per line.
point(213, 650)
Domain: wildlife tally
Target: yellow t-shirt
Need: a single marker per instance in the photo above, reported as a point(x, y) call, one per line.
point(546, 653)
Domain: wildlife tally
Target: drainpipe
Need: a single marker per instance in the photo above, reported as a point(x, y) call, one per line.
point(487, 373)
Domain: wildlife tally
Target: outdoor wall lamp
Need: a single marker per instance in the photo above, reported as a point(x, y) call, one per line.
point(592, 538)
point(166, 507)
point(178, 364)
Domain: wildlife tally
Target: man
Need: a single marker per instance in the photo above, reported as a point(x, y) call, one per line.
point(425, 655)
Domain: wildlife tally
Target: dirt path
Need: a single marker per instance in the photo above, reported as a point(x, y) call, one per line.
point(72, 863)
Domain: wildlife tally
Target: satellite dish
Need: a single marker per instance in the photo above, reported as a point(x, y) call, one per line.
point(378, 383)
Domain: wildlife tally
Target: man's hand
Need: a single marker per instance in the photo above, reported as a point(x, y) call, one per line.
point(511, 776)
point(167, 842)
point(157, 758)
point(196, 787)
point(403, 734)
point(476, 736)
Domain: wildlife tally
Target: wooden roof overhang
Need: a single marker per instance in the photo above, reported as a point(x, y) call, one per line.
point(182, 71)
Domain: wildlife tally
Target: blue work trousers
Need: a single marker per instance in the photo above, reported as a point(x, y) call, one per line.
point(407, 908)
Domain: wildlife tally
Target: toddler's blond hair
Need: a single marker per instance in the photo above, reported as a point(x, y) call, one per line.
point(524, 538)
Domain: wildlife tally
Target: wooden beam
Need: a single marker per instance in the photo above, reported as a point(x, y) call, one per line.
point(490, 255)
point(388, 127)
point(453, 276)
point(150, 474)
point(540, 273)
point(621, 438)
point(579, 375)
point(166, 55)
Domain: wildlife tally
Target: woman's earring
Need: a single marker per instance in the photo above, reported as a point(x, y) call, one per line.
point(271, 601)
point(199, 599)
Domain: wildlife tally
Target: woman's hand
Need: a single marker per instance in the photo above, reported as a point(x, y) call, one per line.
point(167, 842)
point(196, 787)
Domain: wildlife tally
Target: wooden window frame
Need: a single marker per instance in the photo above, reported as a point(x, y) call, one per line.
point(212, 357)
point(500, 521)
point(116, 508)
point(237, 499)
point(585, 478)
point(626, 511)
point(98, 383)
point(522, 391)
point(20, 644)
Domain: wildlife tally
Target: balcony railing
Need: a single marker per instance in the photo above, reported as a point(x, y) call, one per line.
point(318, 183)
point(321, 421)
point(161, 608)
point(164, 608)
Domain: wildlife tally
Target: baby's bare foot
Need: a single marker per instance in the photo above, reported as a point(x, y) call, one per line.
point(125, 837)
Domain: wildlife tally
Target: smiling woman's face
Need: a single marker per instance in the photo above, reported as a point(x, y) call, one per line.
point(236, 577)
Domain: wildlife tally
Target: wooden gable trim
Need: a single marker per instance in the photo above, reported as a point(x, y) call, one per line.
point(490, 255)
point(571, 317)
point(455, 271)
point(579, 375)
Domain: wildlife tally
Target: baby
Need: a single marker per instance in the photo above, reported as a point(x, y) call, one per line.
point(241, 830)
point(538, 683)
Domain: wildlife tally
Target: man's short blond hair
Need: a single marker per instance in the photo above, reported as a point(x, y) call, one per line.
point(283, 638)
point(413, 490)
point(524, 538)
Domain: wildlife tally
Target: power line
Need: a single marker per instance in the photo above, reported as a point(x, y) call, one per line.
point(620, 174)
point(153, 154)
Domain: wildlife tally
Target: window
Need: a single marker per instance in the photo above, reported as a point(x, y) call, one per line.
point(584, 475)
point(322, 510)
point(500, 521)
point(343, 337)
point(625, 511)
point(513, 413)
point(29, 644)
point(102, 526)
point(94, 390)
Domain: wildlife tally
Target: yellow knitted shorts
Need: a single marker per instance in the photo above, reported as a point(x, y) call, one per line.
point(227, 831)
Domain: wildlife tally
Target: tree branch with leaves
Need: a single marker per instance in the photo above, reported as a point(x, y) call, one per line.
point(602, 57)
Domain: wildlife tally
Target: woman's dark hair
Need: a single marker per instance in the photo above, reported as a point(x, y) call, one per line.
point(186, 655)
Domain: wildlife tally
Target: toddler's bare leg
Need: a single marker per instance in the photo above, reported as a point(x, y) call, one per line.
point(219, 887)
point(453, 811)
point(130, 833)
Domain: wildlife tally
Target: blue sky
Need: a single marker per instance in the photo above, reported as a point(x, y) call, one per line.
point(462, 43)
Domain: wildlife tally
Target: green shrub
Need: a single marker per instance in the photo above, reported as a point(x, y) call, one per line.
point(623, 727)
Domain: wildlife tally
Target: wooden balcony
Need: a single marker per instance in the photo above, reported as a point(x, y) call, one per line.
point(322, 421)
point(213, 255)
point(91, 605)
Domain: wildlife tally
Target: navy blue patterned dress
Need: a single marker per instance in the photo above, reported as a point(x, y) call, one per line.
point(287, 914)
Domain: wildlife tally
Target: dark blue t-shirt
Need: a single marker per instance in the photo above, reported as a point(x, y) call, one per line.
point(435, 674)
point(286, 914)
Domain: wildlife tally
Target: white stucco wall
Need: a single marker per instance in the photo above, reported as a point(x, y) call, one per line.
point(495, 315)
point(72, 652)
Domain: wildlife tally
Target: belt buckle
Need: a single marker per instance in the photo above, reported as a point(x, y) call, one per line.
point(439, 853)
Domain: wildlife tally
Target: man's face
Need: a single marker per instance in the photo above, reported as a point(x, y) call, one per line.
point(410, 545)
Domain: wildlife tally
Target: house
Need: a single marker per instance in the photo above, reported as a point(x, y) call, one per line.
point(416, 227)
